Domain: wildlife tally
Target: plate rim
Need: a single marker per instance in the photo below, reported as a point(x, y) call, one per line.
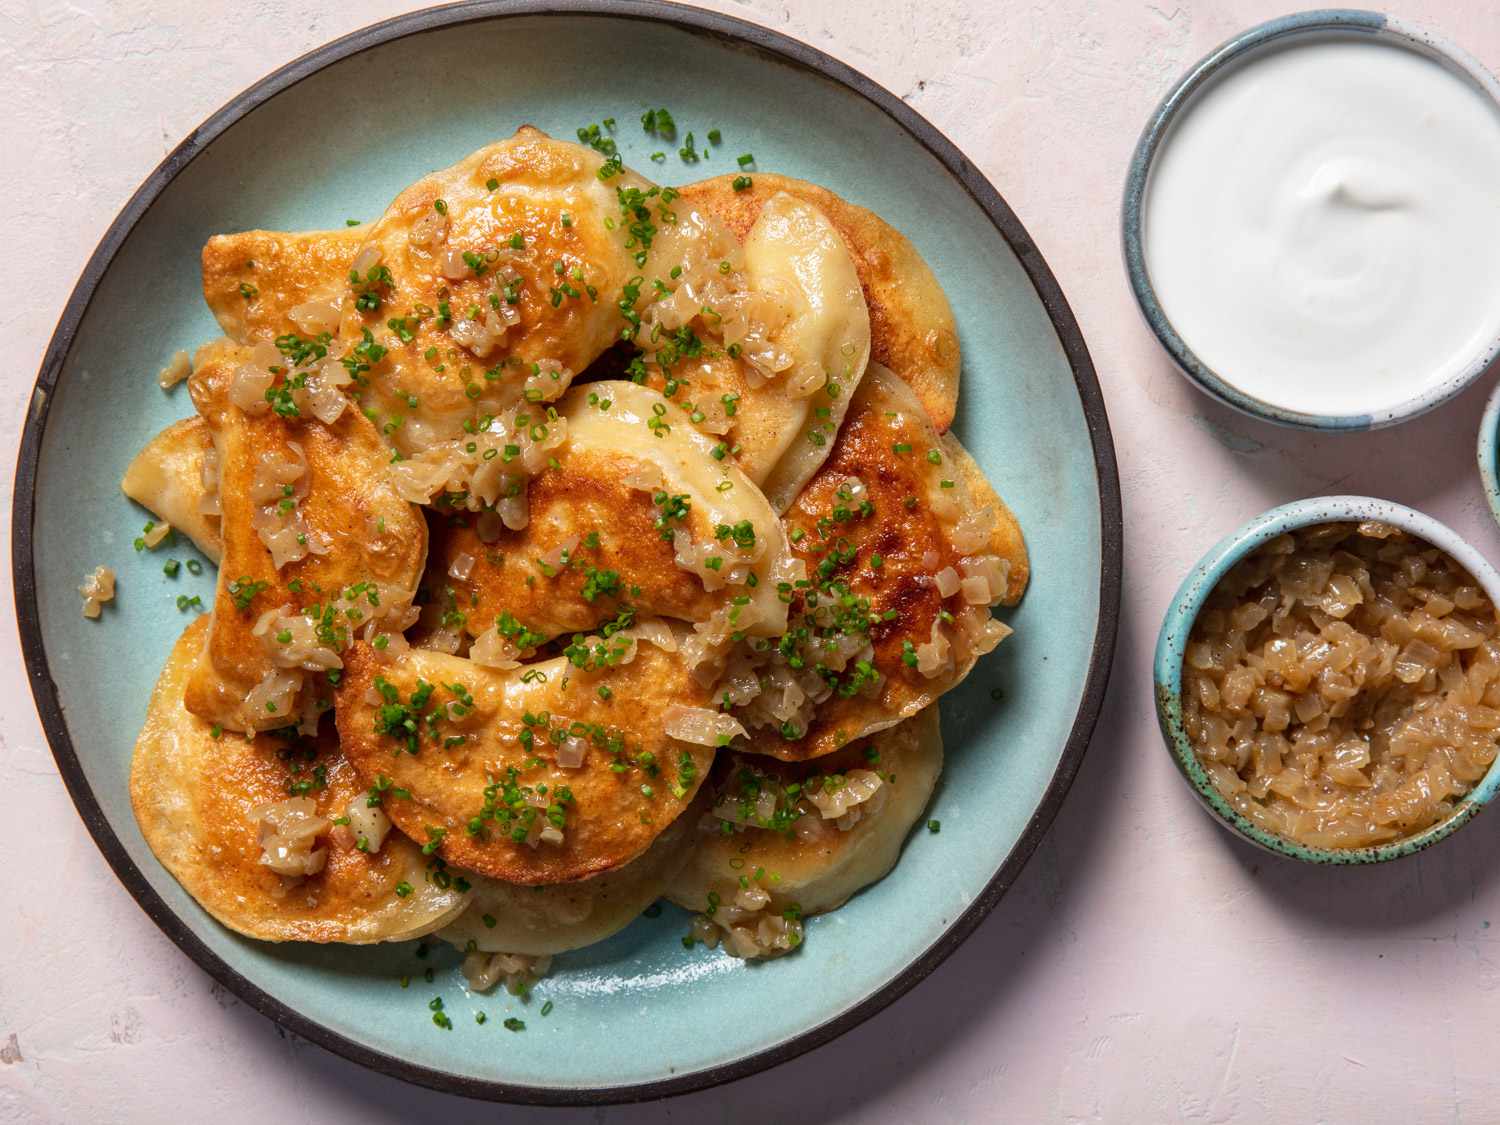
point(736, 33)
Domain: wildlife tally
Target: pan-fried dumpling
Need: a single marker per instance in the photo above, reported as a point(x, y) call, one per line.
point(546, 774)
point(912, 330)
point(484, 286)
point(317, 544)
point(768, 856)
point(540, 921)
point(907, 548)
point(491, 283)
point(636, 512)
point(764, 342)
point(261, 284)
point(176, 478)
point(248, 827)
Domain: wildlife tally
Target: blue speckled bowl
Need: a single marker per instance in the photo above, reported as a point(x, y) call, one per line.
point(1188, 602)
point(1246, 45)
point(1488, 452)
point(638, 1015)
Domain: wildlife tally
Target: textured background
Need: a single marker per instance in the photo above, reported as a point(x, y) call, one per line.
point(1146, 967)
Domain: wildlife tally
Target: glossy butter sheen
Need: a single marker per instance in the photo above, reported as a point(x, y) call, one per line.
point(1322, 225)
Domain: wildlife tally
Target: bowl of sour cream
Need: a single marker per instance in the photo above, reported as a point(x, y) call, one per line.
point(1312, 221)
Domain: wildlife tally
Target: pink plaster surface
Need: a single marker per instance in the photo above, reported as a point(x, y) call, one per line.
point(1145, 967)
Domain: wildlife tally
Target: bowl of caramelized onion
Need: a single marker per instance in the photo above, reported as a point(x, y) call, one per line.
point(1328, 680)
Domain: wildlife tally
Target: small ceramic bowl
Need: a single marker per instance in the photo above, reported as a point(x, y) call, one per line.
point(1489, 452)
point(1184, 610)
point(1228, 55)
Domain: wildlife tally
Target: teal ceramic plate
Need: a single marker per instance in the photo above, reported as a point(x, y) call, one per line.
point(335, 135)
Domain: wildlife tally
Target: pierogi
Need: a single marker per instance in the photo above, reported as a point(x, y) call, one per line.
point(703, 558)
point(247, 826)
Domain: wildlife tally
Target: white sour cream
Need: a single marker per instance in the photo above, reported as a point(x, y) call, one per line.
point(1322, 225)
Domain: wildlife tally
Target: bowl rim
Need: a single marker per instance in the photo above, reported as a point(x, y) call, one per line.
point(1488, 452)
point(1182, 612)
point(775, 47)
point(1232, 52)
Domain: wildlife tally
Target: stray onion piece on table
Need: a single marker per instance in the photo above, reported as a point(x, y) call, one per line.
point(703, 559)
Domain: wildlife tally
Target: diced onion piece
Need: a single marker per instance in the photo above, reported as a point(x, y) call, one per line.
point(514, 512)
point(248, 387)
point(858, 786)
point(272, 697)
point(325, 400)
point(291, 639)
point(97, 588)
point(993, 569)
point(974, 528)
point(314, 317)
point(451, 265)
point(429, 230)
point(658, 633)
point(701, 726)
point(933, 656)
point(443, 640)
point(288, 831)
point(976, 590)
point(494, 651)
point(367, 823)
point(461, 566)
point(571, 753)
point(947, 582)
point(367, 258)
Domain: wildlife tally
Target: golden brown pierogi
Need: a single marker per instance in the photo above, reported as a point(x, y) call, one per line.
point(762, 335)
point(906, 547)
point(637, 512)
point(313, 497)
point(175, 477)
point(912, 330)
point(260, 284)
point(198, 800)
point(531, 775)
point(513, 918)
point(801, 849)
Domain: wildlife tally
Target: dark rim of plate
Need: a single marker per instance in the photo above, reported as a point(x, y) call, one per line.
point(734, 32)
